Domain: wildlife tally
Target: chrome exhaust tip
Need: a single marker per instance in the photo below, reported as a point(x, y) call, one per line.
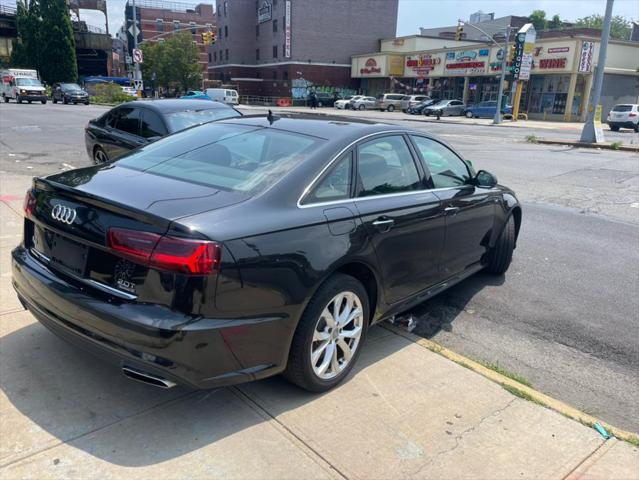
point(147, 378)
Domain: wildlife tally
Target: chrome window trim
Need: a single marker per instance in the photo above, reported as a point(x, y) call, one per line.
point(310, 186)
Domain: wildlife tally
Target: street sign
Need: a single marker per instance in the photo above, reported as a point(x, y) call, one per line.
point(524, 46)
point(134, 30)
point(137, 56)
point(599, 135)
point(128, 59)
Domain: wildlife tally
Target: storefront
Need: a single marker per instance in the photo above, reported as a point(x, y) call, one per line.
point(558, 88)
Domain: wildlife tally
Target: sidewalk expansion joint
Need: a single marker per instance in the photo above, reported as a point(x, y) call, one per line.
point(254, 405)
point(511, 385)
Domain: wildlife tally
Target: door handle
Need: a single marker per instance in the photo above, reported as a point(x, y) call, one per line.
point(451, 211)
point(384, 224)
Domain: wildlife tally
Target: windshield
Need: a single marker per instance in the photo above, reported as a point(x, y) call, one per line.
point(71, 87)
point(181, 120)
point(236, 158)
point(622, 108)
point(23, 82)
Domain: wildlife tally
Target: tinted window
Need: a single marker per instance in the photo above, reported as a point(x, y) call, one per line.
point(152, 125)
point(336, 185)
point(455, 103)
point(622, 108)
point(237, 158)
point(446, 168)
point(180, 120)
point(385, 165)
point(128, 120)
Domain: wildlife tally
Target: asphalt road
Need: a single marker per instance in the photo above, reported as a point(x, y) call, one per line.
point(566, 314)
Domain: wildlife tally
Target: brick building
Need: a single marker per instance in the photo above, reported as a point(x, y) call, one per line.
point(283, 47)
point(157, 19)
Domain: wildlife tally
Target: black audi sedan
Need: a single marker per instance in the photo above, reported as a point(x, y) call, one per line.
point(249, 247)
point(133, 124)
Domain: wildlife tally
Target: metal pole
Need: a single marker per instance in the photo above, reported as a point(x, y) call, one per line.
point(136, 75)
point(588, 132)
point(502, 79)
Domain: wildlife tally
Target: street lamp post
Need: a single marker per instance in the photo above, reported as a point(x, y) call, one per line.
point(502, 78)
point(588, 133)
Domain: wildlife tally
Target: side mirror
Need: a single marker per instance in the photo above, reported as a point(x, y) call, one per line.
point(485, 179)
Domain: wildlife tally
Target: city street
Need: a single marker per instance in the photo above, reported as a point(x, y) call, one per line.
point(564, 316)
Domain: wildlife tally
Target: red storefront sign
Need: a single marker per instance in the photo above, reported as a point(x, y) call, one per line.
point(550, 63)
point(464, 65)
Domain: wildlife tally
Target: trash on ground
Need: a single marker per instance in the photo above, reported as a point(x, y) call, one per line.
point(602, 431)
point(406, 322)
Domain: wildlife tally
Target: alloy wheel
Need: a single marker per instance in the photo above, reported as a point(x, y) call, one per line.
point(336, 335)
point(100, 156)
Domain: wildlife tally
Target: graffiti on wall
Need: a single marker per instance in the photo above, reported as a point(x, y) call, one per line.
point(300, 88)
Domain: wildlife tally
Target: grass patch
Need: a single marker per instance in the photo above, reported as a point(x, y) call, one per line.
point(615, 145)
point(532, 139)
point(502, 371)
point(632, 440)
point(521, 394)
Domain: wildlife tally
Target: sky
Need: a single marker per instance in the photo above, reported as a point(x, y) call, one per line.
point(434, 13)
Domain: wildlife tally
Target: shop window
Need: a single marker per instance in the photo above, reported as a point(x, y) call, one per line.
point(549, 94)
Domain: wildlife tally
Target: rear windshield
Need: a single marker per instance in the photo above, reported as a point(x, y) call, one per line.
point(181, 120)
point(622, 108)
point(237, 158)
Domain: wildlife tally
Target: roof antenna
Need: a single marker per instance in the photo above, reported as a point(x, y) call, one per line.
point(271, 118)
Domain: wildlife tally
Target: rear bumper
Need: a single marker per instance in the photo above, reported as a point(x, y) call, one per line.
point(194, 351)
point(626, 124)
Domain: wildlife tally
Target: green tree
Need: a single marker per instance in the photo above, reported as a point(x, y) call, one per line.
point(26, 51)
point(174, 61)
point(59, 61)
point(555, 23)
point(538, 19)
point(620, 28)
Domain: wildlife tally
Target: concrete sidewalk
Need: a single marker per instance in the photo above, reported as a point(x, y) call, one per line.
point(405, 412)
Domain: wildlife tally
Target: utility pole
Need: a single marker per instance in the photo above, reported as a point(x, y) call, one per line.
point(137, 76)
point(588, 133)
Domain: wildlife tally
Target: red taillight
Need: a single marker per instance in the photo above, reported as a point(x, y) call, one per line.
point(632, 114)
point(195, 257)
point(29, 203)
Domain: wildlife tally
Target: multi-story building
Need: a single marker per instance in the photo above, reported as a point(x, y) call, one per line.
point(285, 47)
point(8, 31)
point(157, 19)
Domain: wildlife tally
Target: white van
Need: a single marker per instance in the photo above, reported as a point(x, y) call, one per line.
point(223, 95)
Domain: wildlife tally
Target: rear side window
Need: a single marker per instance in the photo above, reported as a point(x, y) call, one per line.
point(445, 167)
point(385, 165)
point(238, 158)
point(152, 125)
point(128, 120)
point(180, 120)
point(336, 185)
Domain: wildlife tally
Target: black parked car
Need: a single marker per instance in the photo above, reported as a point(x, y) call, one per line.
point(419, 108)
point(248, 247)
point(69, 93)
point(132, 124)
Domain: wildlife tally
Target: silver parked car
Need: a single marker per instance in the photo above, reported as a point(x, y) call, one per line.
point(390, 101)
point(364, 103)
point(446, 108)
point(412, 100)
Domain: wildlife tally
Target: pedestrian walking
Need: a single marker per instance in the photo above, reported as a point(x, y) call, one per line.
point(313, 100)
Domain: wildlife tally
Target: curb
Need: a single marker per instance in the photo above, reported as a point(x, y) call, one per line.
point(574, 143)
point(532, 394)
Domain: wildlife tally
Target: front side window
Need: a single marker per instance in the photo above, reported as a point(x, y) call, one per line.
point(385, 165)
point(236, 158)
point(446, 168)
point(129, 120)
point(336, 185)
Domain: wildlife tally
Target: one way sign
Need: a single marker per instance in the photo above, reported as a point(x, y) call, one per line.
point(137, 56)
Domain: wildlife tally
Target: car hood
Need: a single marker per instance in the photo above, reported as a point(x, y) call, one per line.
point(162, 196)
point(33, 88)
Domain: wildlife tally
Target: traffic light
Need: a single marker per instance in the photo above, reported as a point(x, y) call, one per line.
point(208, 38)
point(512, 53)
point(459, 33)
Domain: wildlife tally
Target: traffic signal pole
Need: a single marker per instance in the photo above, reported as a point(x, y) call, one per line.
point(588, 133)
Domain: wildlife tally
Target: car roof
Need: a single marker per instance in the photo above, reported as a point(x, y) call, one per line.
point(177, 105)
point(322, 126)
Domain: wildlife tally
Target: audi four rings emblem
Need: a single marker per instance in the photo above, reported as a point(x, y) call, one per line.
point(63, 214)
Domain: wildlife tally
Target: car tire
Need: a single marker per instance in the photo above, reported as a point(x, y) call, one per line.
point(18, 99)
point(361, 107)
point(64, 100)
point(29, 102)
point(391, 108)
point(99, 156)
point(500, 256)
point(469, 114)
point(614, 128)
point(301, 370)
point(43, 102)
point(5, 98)
point(636, 128)
point(54, 100)
point(87, 102)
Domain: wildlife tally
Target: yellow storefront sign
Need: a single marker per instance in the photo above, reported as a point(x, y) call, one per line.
point(396, 65)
